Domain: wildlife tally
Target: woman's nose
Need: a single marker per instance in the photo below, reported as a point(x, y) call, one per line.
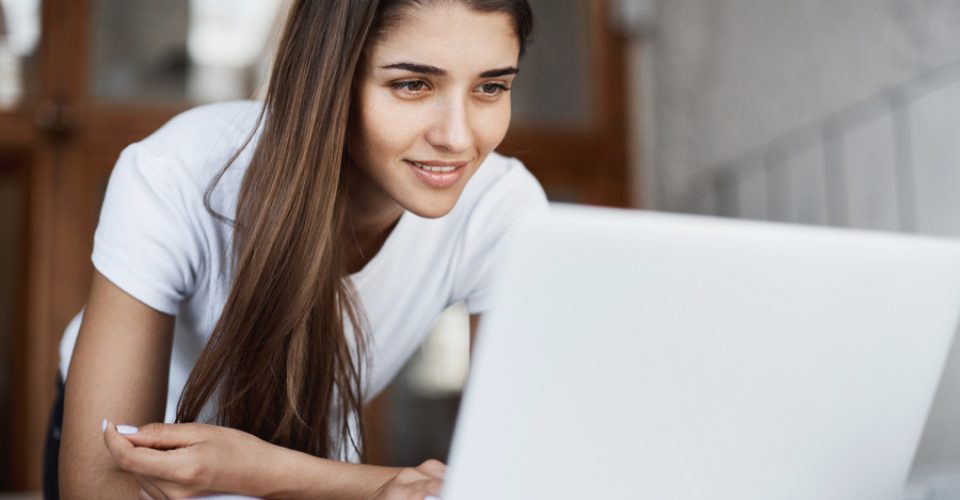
point(451, 131)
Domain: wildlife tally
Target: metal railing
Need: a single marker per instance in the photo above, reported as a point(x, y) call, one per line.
point(719, 190)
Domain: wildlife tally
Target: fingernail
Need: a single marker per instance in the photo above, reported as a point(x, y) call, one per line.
point(126, 429)
point(103, 425)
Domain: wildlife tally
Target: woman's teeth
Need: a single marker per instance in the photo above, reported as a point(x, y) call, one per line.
point(441, 169)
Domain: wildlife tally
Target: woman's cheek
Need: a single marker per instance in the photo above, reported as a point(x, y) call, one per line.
point(386, 122)
point(493, 127)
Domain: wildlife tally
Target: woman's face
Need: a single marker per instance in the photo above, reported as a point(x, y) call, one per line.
point(432, 101)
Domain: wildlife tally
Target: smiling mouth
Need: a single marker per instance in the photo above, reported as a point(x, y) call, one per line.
point(437, 167)
point(438, 174)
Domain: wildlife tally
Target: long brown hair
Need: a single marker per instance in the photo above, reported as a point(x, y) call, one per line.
point(278, 363)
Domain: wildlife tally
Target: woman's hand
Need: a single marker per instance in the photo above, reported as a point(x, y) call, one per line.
point(188, 460)
point(414, 483)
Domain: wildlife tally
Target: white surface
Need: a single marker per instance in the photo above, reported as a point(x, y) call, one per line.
point(693, 358)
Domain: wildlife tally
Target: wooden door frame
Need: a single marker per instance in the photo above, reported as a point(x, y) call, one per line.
point(58, 126)
point(36, 347)
point(600, 144)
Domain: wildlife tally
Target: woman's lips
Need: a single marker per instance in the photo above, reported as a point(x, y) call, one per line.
point(437, 174)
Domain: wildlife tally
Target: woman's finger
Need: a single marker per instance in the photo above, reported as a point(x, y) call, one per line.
point(412, 491)
point(149, 491)
point(169, 436)
point(430, 487)
point(410, 476)
point(433, 468)
point(138, 460)
point(161, 489)
point(415, 483)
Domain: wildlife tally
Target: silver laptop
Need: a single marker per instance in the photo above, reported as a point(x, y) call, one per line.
point(641, 355)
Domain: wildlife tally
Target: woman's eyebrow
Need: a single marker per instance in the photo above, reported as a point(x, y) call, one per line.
point(493, 73)
point(426, 69)
point(416, 68)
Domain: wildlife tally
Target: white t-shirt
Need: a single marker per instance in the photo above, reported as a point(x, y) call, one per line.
point(157, 242)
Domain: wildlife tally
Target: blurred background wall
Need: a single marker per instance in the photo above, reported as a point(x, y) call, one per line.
point(730, 76)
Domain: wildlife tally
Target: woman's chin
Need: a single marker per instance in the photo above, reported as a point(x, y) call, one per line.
point(432, 210)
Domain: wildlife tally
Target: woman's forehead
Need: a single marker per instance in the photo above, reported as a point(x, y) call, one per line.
point(449, 36)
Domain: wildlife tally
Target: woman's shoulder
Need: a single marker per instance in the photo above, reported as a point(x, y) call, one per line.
point(204, 130)
point(208, 122)
point(192, 147)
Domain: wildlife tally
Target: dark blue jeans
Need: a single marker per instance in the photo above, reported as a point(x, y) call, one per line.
point(51, 452)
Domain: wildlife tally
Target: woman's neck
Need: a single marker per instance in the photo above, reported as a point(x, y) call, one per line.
point(371, 218)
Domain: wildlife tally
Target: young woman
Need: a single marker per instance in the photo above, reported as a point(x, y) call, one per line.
point(266, 268)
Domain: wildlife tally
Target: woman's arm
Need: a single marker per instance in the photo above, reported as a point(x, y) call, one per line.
point(119, 371)
point(188, 460)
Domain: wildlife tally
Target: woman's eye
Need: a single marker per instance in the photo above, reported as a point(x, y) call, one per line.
point(411, 86)
point(493, 89)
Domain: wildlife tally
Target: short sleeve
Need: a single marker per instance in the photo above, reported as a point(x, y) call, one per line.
point(145, 242)
point(515, 195)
